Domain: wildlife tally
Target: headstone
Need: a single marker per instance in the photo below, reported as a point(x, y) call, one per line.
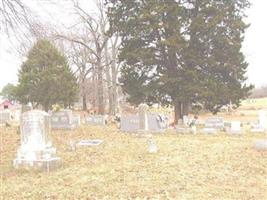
point(76, 119)
point(156, 123)
point(235, 127)
point(189, 126)
point(89, 143)
point(62, 120)
point(152, 146)
point(215, 122)
point(263, 119)
point(5, 116)
point(99, 120)
point(36, 149)
point(261, 145)
point(186, 120)
point(129, 123)
point(261, 126)
point(143, 119)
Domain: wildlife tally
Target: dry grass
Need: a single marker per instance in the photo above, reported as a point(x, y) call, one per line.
point(186, 167)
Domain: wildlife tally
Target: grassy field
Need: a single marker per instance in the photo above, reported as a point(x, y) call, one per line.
point(185, 167)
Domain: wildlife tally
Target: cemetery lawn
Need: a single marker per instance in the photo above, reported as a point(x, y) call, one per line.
point(185, 167)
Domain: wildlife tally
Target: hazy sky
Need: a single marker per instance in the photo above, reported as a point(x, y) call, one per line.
point(254, 46)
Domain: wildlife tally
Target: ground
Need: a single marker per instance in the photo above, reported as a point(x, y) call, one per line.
point(186, 167)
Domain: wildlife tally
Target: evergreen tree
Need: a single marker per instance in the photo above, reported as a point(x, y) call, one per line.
point(181, 52)
point(45, 78)
point(9, 92)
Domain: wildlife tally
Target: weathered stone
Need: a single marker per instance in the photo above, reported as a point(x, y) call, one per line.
point(36, 149)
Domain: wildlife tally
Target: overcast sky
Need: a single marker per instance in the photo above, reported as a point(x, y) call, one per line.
point(254, 46)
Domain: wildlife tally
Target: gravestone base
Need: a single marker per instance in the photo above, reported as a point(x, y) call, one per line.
point(209, 130)
point(184, 130)
point(42, 164)
point(39, 159)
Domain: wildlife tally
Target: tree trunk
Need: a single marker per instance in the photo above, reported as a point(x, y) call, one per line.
point(114, 82)
point(109, 82)
point(84, 99)
point(94, 91)
point(185, 106)
point(46, 107)
point(84, 102)
point(100, 89)
point(177, 112)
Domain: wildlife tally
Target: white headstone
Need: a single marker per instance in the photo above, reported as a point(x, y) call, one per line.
point(36, 148)
point(262, 119)
point(152, 146)
point(235, 127)
point(261, 145)
point(143, 119)
point(186, 120)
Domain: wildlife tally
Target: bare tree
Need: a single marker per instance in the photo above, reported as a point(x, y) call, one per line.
point(96, 42)
point(83, 61)
point(13, 14)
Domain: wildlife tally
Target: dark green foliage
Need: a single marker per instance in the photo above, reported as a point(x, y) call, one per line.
point(180, 52)
point(45, 78)
point(9, 92)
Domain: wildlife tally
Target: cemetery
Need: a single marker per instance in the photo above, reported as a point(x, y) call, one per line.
point(173, 162)
point(133, 100)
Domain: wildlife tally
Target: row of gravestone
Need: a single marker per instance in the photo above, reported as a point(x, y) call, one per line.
point(36, 149)
point(216, 124)
point(64, 119)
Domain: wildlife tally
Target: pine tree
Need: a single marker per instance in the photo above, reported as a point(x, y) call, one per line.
point(45, 78)
point(181, 52)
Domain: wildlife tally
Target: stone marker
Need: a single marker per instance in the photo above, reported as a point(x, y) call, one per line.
point(156, 123)
point(76, 119)
point(263, 119)
point(152, 146)
point(215, 122)
point(62, 120)
point(235, 127)
point(143, 119)
point(213, 125)
point(89, 143)
point(129, 123)
point(186, 120)
point(261, 126)
point(5, 116)
point(36, 150)
point(98, 120)
point(261, 145)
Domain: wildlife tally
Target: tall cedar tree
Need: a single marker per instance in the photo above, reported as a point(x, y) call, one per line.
point(181, 52)
point(45, 78)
